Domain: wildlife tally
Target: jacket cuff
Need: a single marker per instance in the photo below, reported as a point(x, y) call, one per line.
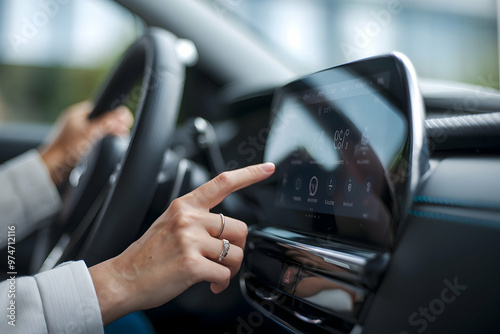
point(69, 299)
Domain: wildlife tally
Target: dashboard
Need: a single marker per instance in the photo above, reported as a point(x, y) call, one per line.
point(371, 224)
point(353, 224)
point(382, 216)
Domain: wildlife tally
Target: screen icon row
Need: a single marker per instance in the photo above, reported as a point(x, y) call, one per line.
point(350, 185)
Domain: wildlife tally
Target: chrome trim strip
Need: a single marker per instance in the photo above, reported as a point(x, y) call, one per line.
point(307, 319)
point(341, 258)
point(263, 296)
point(419, 154)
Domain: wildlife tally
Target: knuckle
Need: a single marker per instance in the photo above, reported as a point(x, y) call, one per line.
point(189, 259)
point(189, 263)
point(223, 180)
point(176, 205)
point(183, 220)
point(186, 240)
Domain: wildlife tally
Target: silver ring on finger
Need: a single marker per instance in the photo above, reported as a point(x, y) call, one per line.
point(223, 224)
point(225, 249)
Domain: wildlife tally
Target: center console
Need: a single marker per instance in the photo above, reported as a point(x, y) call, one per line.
point(349, 147)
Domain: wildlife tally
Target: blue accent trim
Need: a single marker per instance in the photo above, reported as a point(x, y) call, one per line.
point(454, 202)
point(137, 323)
point(448, 217)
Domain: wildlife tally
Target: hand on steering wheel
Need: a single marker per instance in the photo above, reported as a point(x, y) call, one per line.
point(180, 249)
point(75, 134)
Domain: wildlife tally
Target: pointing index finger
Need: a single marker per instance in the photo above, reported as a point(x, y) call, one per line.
point(214, 191)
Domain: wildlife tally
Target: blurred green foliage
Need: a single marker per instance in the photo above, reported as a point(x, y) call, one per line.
point(39, 94)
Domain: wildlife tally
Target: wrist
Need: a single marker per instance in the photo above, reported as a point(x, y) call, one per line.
point(54, 160)
point(113, 292)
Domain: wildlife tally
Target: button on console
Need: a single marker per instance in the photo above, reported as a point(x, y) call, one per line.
point(289, 276)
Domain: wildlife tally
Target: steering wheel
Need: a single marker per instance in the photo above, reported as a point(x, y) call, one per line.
point(153, 59)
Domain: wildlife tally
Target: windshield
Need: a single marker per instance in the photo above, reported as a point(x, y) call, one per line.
point(453, 40)
point(55, 53)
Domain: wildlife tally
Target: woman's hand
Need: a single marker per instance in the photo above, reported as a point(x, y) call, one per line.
point(178, 250)
point(74, 135)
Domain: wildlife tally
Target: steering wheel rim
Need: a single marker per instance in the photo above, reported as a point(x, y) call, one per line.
point(129, 197)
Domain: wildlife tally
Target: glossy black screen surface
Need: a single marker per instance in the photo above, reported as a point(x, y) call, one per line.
point(338, 138)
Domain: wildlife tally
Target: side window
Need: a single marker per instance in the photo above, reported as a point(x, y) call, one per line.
point(57, 52)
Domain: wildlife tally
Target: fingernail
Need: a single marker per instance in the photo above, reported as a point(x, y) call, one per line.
point(268, 167)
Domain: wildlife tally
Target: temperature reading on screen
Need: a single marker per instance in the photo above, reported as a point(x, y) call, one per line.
point(340, 139)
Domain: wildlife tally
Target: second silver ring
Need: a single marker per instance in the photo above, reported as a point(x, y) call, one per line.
point(225, 249)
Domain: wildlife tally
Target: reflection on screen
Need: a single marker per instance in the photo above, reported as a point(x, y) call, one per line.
point(333, 144)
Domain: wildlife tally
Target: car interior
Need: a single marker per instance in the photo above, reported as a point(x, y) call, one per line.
point(383, 213)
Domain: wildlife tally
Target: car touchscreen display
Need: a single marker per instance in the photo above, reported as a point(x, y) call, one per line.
point(336, 138)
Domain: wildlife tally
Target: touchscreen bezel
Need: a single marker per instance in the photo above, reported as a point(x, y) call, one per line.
point(402, 178)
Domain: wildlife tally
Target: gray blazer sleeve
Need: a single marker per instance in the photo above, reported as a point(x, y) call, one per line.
point(27, 195)
point(61, 300)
